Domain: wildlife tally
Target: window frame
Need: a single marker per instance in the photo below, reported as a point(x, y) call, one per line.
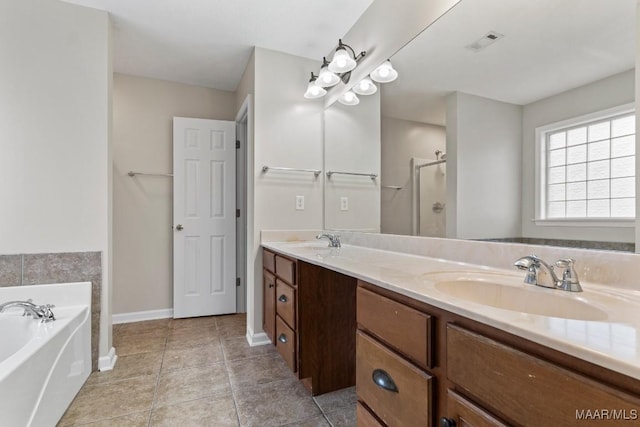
point(540, 173)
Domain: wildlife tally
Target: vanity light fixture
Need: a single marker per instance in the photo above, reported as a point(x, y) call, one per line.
point(344, 61)
point(327, 78)
point(349, 98)
point(385, 73)
point(313, 89)
point(365, 87)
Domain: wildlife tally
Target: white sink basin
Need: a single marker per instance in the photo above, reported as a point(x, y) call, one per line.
point(504, 292)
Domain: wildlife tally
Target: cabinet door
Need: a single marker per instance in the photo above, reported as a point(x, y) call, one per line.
point(465, 414)
point(269, 311)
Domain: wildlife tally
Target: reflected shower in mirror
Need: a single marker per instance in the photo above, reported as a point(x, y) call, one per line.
point(429, 196)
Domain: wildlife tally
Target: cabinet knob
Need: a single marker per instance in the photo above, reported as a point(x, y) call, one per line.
point(271, 285)
point(282, 298)
point(447, 422)
point(384, 380)
point(282, 338)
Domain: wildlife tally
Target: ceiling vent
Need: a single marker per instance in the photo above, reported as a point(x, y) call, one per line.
point(488, 39)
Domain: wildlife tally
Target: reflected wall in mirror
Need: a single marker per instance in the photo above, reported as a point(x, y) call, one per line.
point(480, 100)
point(352, 165)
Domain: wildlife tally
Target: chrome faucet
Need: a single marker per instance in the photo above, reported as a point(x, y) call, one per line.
point(334, 239)
point(540, 273)
point(42, 312)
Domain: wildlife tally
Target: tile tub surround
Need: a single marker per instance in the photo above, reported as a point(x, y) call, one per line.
point(67, 267)
point(611, 342)
point(201, 372)
point(10, 270)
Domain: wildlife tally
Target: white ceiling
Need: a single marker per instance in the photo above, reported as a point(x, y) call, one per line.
point(549, 47)
point(209, 42)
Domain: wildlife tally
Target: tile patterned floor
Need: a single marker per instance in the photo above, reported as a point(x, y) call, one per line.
point(200, 372)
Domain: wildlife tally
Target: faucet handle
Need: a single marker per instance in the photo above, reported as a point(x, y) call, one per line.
point(569, 280)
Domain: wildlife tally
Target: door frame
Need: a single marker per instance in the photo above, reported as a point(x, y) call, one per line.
point(243, 123)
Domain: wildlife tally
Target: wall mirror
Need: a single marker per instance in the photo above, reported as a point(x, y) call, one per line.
point(454, 136)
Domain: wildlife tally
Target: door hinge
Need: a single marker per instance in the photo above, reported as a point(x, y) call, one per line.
point(237, 281)
point(237, 213)
point(237, 143)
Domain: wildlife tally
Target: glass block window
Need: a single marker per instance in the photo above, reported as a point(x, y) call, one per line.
point(589, 169)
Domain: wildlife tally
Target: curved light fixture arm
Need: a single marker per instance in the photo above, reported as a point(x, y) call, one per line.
point(357, 57)
point(345, 77)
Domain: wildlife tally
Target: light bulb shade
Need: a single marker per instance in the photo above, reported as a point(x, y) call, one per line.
point(365, 87)
point(384, 73)
point(349, 98)
point(342, 61)
point(314, 91)
point(327, 78)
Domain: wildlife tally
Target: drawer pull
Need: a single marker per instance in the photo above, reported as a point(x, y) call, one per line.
point(384, 380)
point(271, 285)
point(447, 422)
point(282, 338)
point(283, 298)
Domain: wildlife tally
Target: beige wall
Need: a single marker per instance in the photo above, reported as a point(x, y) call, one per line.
point(55, 90)
point(402, 140)
point(143, 110)
point(247, 82)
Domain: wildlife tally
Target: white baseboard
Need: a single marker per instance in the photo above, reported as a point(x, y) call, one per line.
point(257, 339)
point(108, 362)
point(139, 316)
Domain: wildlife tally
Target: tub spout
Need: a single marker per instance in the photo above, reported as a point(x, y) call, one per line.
point(42, 312)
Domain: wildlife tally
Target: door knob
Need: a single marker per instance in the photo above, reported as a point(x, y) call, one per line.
point(179, 227)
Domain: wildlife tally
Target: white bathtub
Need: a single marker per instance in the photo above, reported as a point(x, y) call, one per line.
point(43, 365)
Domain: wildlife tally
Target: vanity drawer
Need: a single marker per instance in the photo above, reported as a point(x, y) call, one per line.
point(364, 417)
point(286, 303)
point(465, 413)
point(406, 404)
point(523, 389)
point(286, 343)
point(401, 327)
point(269, 260)
point(286, 269)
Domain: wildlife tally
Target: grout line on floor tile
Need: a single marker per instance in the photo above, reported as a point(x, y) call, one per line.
point(155, 390)
point(104, 419)
point(226, 369)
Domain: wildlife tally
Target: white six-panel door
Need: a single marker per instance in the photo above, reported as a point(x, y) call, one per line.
point(204, 246)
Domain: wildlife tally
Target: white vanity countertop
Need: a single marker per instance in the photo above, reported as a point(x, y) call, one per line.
point(611, 338)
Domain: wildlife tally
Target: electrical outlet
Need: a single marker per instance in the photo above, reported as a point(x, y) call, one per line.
point(344, 203)
point(299, 203)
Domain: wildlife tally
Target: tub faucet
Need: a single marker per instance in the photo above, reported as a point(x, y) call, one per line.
point(42, 312)
point(540, 273)
point(334, 239)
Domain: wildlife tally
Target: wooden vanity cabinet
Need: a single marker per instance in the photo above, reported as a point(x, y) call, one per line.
point(393, 355)
point(280, 304)
point(475, 375)
point(524, 389)
point(311, 311)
